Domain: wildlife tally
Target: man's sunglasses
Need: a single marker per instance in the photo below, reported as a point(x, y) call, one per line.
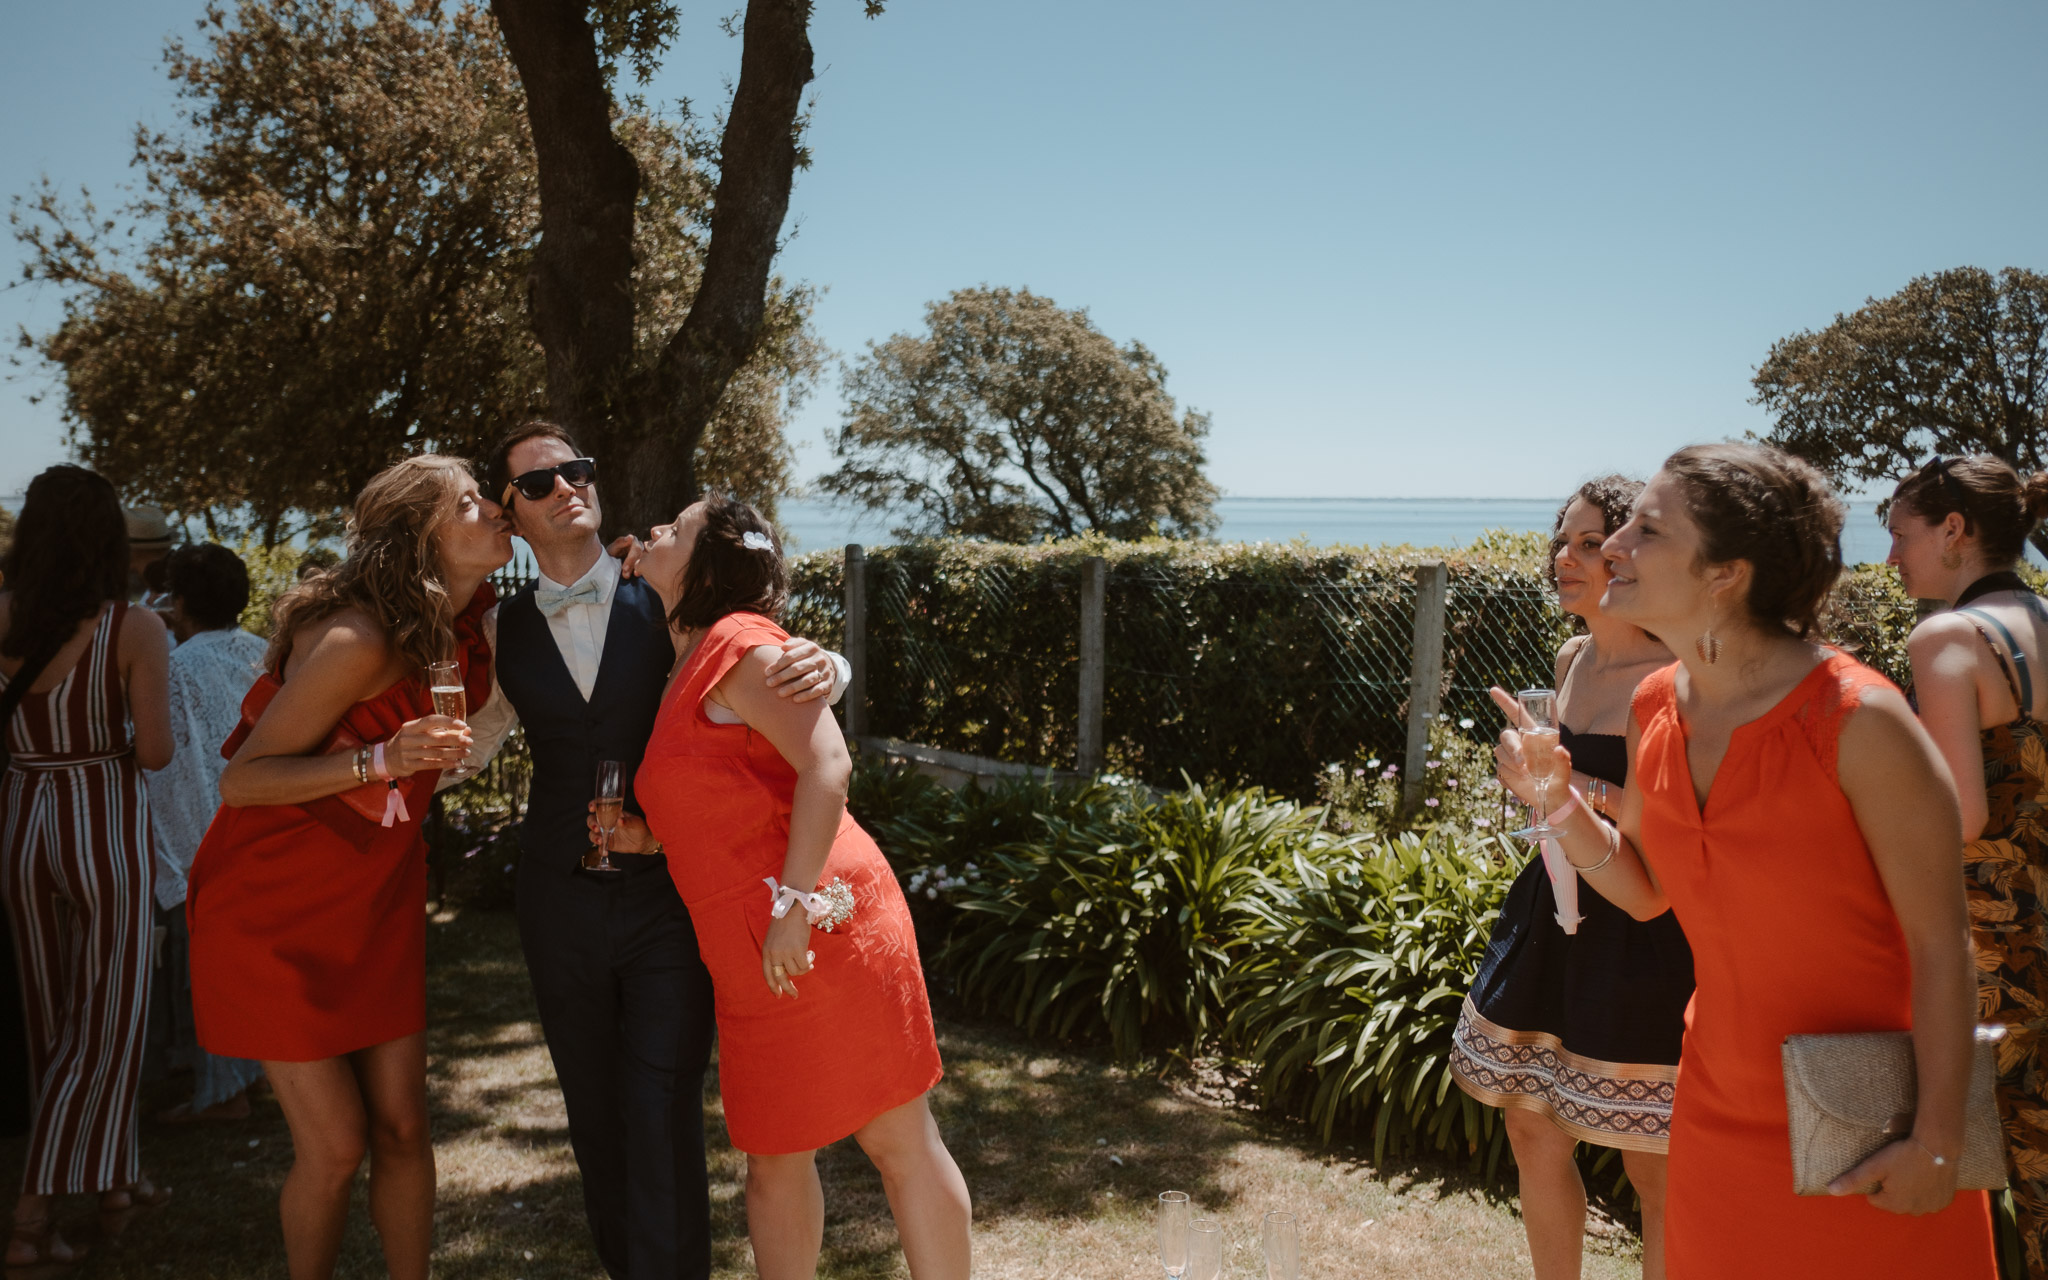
point(535, 485)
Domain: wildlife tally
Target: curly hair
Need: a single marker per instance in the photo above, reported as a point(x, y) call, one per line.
point(211, 580)
point(68, 559)
point(1613, 495)
point(725, 575)
point(1998, 506)
point(392, 572)
point(1759, 504)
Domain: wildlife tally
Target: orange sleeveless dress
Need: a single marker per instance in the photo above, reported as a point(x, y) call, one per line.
point(797, 1074)
point(309, 924)
point(1791, 932)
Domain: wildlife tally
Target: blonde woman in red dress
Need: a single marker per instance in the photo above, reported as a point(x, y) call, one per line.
point(823, 1026)
point(307, 898)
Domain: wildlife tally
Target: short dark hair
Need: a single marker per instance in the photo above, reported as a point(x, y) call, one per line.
point(725, 575)
point(1755, 503)
point(498, 466)
point(211, 580)
point(1999, 507)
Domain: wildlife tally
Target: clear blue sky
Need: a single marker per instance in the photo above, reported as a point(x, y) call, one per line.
point(1395, 249)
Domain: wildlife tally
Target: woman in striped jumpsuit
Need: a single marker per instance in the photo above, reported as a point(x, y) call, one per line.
point(75, 845)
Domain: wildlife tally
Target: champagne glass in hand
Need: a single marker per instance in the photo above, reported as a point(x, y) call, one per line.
point(1173, 1233)
point(1538, 731)
point(610, 803)
point(444, 681)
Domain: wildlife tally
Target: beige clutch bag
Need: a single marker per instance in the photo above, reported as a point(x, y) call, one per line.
point(1848, 1095)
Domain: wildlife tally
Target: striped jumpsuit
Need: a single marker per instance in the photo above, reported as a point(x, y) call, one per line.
point(75, 867)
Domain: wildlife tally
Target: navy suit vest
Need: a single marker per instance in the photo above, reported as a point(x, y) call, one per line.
point(568, 736)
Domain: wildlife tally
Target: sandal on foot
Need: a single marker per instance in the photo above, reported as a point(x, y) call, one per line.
point(48, 1250)
point(142, 1195)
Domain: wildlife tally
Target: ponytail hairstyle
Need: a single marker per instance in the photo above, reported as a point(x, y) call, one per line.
point(735, 567)
point(393, 569)
point(1759, 504)
point(68, 559)
point(1999, 509)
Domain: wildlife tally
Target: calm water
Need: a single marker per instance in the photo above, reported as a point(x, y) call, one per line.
point(1423, 522)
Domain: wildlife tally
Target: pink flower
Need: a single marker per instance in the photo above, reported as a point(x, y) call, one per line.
point(1431, 802)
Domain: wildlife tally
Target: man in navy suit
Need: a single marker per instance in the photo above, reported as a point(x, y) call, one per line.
point(582, 657)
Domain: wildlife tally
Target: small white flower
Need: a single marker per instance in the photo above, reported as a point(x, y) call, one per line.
point(1373, 763)
point(972, 869)
point(1450, 782)
point(755, 540)
point(1481, 822)
point(931, 893)
point(1466, 723)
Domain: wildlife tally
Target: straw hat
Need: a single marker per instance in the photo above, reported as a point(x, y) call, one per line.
point(148, 529)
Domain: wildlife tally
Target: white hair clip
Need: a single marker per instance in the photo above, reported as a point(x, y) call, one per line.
point(755, 540)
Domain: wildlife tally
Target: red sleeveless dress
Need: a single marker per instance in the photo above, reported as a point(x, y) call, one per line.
point(309, 926)
point(1792, 932)
point(858, 1041)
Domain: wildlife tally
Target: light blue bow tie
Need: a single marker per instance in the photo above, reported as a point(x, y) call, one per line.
point(552, 600)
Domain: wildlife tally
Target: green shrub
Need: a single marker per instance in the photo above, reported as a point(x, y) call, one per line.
point(1459, 793)
point(1353, 972)
point(1124, 923)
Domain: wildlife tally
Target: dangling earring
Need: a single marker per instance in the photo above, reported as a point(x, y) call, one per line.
point(1708, 646)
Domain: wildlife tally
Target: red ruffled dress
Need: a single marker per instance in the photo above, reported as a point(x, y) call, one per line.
point(309, 927)
point(797, 1074)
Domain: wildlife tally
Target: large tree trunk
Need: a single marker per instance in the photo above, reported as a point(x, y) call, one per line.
point(646, 429)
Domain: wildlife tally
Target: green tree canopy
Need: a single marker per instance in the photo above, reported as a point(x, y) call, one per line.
point(1955, 362)
point(1013, 418)
point(329, 269)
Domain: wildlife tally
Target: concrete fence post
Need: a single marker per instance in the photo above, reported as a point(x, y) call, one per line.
point(1088, 732)
point(856, 584)
point(1425, 675)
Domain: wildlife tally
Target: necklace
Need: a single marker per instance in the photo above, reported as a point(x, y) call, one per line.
point(2003, 580)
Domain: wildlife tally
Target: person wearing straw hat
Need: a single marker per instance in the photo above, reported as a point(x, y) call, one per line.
point(149, 543)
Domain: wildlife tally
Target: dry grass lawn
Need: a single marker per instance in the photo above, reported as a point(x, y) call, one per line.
point(1062, 1151)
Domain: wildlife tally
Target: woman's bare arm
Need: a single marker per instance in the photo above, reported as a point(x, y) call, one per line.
point(809, 739)
point(1905, 805)
point(1945, 651)
point(146, 672)
point(339, 662)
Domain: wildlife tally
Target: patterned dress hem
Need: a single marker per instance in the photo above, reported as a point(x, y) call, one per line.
point(1625, 1105)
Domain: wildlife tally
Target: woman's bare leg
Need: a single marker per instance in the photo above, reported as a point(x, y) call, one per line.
point(323, 1105)
point(934, 1217)
point(1553, 1195)
point(785, 1215)
point(393, 1077)
point(1646, 1172)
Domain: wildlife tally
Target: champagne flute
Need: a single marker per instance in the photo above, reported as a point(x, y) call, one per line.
point(1205, 1250)
point(1173, 1233)
point(1283, 1246)
point(610, 804)
point(1539, 755)
point(444, 682)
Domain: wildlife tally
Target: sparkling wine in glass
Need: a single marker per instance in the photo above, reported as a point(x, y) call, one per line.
point(444, 681)
point(1174, 1211)
point(1539, 754)
point(1205, 1250)
point(1283, 1246)
point(611, 803)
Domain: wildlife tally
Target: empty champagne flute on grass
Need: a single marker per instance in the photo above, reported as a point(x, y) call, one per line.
point(610, 804)
point(1539, 755)
point(1173, 1233)
point(1205, 1250)
point(1283, 1247)
point(444, 682)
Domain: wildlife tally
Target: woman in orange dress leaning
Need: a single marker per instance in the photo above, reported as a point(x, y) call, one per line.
point(1785, 802)
point(307, 897)
point(823, 1026)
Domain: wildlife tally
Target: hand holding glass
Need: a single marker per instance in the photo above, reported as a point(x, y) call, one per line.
point(444, 682)
point(610, 803)
point(1538, 730)
point(1173, 1233)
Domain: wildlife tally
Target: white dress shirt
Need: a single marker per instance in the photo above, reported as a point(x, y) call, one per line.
point(579, 631)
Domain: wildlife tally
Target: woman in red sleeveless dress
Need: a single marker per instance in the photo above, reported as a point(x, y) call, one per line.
point(1784, 801)
point(823, 1026)
point(307, 899)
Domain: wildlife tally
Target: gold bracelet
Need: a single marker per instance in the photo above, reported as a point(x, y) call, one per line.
point(361, 765)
